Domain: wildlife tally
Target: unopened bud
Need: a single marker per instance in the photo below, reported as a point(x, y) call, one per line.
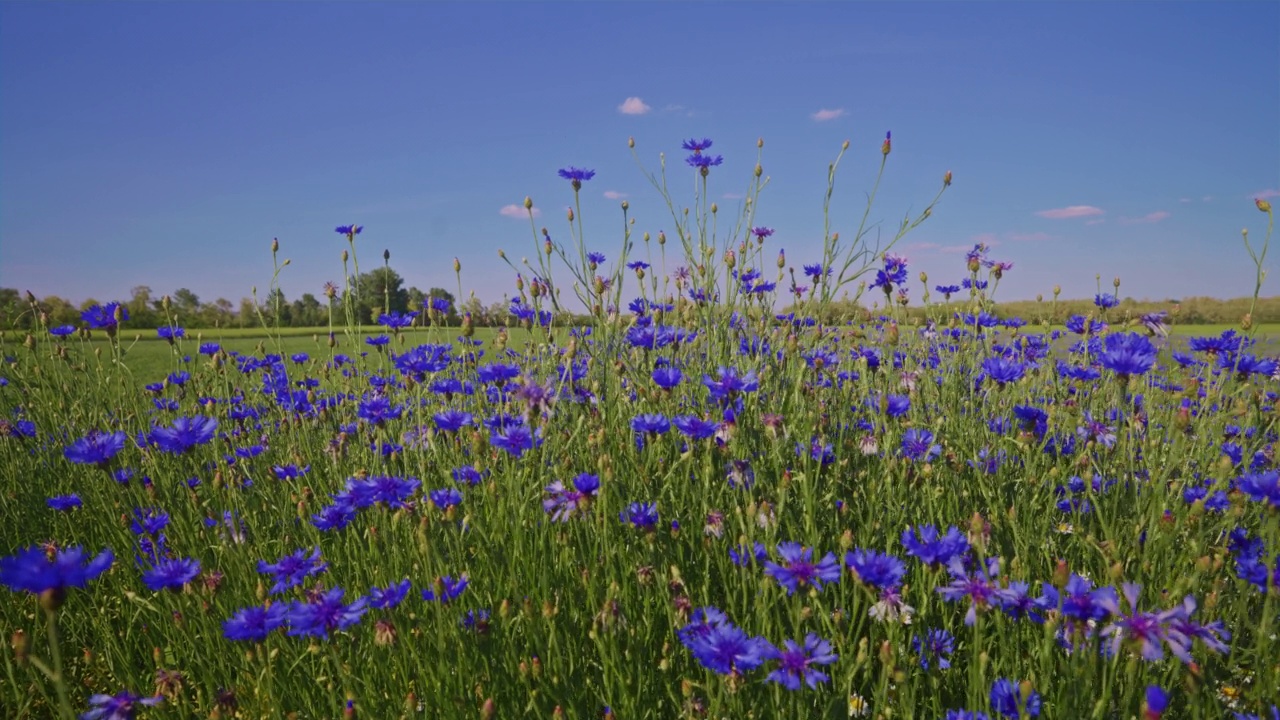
point(528, 203)
point(569, 213)
point(662, 238)
point(488, 710)
point(275, 244)
point(782, 259)
point(1263, 205)
point(887, 145)
point(631, 142)
point(457, 266)
point(946, 179)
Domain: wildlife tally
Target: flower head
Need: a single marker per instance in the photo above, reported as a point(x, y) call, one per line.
point(796, 662)
point(798, 570)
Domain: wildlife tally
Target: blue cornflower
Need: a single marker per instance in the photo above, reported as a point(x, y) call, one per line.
point(377, 341)
point(1007, 699)
point(120, 706)
point(745, 555)
point(935, 649)
point(1145, 629)
point(378, 410)
point(148, 521)
point(389, 597)
point(595, 258)
point(514, 439)
point(349, 230)
point(103, 317)
point(254, 624)
point(576, 176)
point(798, 569)
point(325, 614)
point(445, 498)
point(667, 377)
point(467, 474)
point(476, 621)
point(1105, 301)
point(453, 420)
point(1082, 325)
point(34, 571)
point(290, 472)
point(445, 589)
point(184, 434)
point(796, 662)
point(563, 503)
point(64, 503)
point(966, 715)
point(695, 145)
point(171, 574)
point(62, 330)
point(209, 348)
point(397, 321)
point(1261, 486)
point(696, 428)
point(641, 515)
point(96, 448)
point(170, 333)
point(979, 586)
point(728, 383)
point(290, 570)
point(1003, 370)
point(703, 163)
point(917, 444)
point(637, 265)
point(877, 569)
point(1156, 701)
point(1128, 354)
point(334, 517)
point(727, 649)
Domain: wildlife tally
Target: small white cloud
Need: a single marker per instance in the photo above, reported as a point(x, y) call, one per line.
point(1207, 198)
point(517, 211)
point(1071, 211)
point(633, 106)
point(1184, 201)
point(1265, 194)
point(1098, 221)
point(614, 194)
point(1147, 219)
point(825, 115)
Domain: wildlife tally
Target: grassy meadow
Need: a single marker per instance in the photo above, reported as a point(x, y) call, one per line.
point(695, 507)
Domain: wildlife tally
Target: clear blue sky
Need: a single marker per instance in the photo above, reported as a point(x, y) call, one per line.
point(166, 144)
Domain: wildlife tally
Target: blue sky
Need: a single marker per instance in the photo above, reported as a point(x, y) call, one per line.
point(166, 144)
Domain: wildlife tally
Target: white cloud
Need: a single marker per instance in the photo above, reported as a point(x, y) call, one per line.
point(517, 211)
point(1071, 211)
point(1184, 201)
point(1149, 218)
point(614, 194)
point(1265, 194)
point(633, 106)
point(825, 115)
point(1097, 221)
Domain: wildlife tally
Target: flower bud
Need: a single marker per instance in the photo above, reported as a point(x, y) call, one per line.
point(569, 213)
point(759, 170)
point(625, 205)
point(888, 144)
point(662, 238)
point(386, 255)
point(1263, 205)
point(714, 208)
point(946, 179)
point(782, 259)
point(275, 245)
point(528, 203)
point(631, 142)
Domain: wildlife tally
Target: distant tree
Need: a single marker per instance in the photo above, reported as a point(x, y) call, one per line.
point(248, 313)
point(381, 289)
point(185, 304)
point(441, 294)
point(142, 307)
point(415, 299)
point(14, 310)
point(60, 311)
point(276, 309)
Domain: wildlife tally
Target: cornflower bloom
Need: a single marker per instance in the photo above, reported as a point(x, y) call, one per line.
point(798, 570)
point(796, 662)
point(917, 444)
point(935, 649)
point(184, 434)
point(171, 574)
point(96, 448)
point(880, 570)
point(290, 570)
point(390, 596)
point(932, 550)
point(445, 589)
point(325, 614)
point(35, 571)
point(641, 515)
point(121, 706)
point(1145, 629)
point(979, 586)
point(1008, 700)
point(563, 503)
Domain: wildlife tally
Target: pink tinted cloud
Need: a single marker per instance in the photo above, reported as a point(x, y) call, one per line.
point(517, 211)
point(1265, 194)
point(614, 194)
point(825, 115)
point(1097, 221)
point(1071, 211)
point(633, 106)
point(1149, 218)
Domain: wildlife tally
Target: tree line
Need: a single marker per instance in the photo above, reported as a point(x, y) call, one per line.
point(379, 291)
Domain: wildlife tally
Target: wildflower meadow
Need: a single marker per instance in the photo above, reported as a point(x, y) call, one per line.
point(697, 497)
